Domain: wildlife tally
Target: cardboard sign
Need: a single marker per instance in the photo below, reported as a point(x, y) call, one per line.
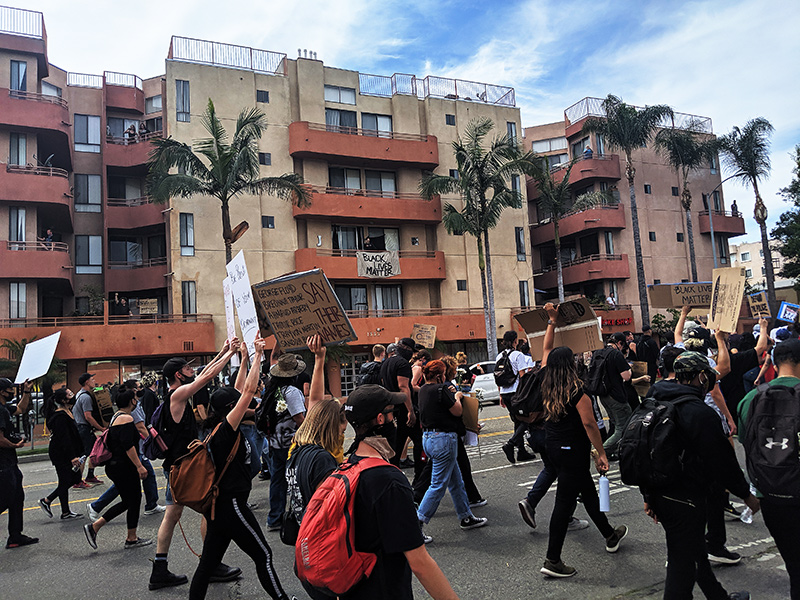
point(243, 301)
point(577, 327)
point(678, 295)
point(425, 335)
point(639, 368)
point(37, 357)
point(469, 412)
point(726, 298)
point(759, 307)
point(378, 264)
point(103, 397)
point(787, 312)
point(148, 306)
point(300, 305)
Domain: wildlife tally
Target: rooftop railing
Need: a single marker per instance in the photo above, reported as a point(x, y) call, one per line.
point(23, 95)
point(593, 107)
point(123, 79)
point(19, 21)
point(436, 87)
point(85, 80)
point(227, 55)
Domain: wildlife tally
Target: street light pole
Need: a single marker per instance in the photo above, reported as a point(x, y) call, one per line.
point(710, 198)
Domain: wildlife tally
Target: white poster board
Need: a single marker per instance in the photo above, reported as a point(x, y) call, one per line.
point(37, 357)
point(230, 322)
point(243, 301)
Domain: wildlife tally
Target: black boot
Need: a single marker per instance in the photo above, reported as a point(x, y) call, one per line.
point(223, 572)
point(161, 577)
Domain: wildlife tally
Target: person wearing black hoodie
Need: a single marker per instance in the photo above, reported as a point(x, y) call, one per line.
point(65, 450)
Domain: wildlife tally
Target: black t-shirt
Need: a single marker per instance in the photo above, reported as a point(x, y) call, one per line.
point(8, 456)
point(732, 385)
point(435, 401)
point(302, 379)
point(615, 365)
point(149, 403)
point(386, 524)
point(178, 435)
point(308, 466)
point(391, 369)
point(568, 428)
point(236, 480)
point(120, 439)
point(65, 442)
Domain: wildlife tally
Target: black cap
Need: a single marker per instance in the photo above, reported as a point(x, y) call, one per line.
point(366, 402)
point(85, 377)
point(407, 341)
point(6, 383)
point(222, 398)
point(173, 365)
point(646, 328)
point(617, 337)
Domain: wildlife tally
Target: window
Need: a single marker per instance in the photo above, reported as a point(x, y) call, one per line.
point(341, 121)
point(125, 250)
point(511, 131)
point(380, 183)
point(17, 300)
point(189, 297)
point(461, 285)
point(415, 241)
point(267, 222)
point(712, 164)
point(450, 120)
point(347, 179)
point(88, 197)
point(722, 247)
point(16, 226)
point(656, 281)
point(763, 270)
point(346, 237)
point(745, 257)
point(609, 240)
point(19, 76)
point(761, 253)
point(117, 126)
point(556, 160)
point(262, 96)
point(388, 297)
point(352, 297)
point(152, 104)
point(675, 191)
point(515, 183)
point(550, 145)
point(679, 236)
point(342, 95)
point(648, 189)
point(376, 125)
point(652, 236)
point(578, 147)
point(748, 272)
point(182, 101)
point(601, 144)
point(87, 133)
point(524, 296)
point(154, 124)
point(717, 202)
point(18, 149)
point(187, 234)
point(157, 246)
point(519, 236)
point(89, 254)
point(453, 173)
point(265, 158)
point(48, 89)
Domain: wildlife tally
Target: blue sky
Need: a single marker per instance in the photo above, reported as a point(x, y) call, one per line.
point(728, 60)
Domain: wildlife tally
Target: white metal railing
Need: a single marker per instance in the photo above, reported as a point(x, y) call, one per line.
point(437, 87)
point(227, 55)
point(19, 21)
point(85, 80)
point(593, 107)
point(122, 79)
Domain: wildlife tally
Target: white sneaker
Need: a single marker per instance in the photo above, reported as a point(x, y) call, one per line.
point(155, 510)
point(93, 514)
point(576, 524)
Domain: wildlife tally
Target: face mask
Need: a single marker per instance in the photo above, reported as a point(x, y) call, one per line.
point(387, 431)
point(185, 379)
point(709, 382)
point(139, 393)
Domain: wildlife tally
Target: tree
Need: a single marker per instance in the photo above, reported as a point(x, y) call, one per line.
point(686, 150)
point(627, 128)
point(745, 151)
point(485, 194)
point(219, 168)
point(787, 230)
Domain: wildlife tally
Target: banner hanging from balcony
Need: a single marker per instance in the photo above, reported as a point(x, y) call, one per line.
point(378, 265)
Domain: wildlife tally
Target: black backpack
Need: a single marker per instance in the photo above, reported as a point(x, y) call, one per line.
point(651, 449)
point(527, 398)
point(596, 379)
point(369, 373)
point(504, 375)
point(771, 441)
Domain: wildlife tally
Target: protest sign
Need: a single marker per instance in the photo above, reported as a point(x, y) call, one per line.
point(148, 306)
point(726, 298)
point(576, 326)
point(424, 335)
point(788, 312)
point(469, 412)
point(759, 307)
point(677, 295)
point(103, 397)
point(227, 294)
point(378, 264)
point(243, 301)
point(639, 368)
point(37, 357)
point(300, 305)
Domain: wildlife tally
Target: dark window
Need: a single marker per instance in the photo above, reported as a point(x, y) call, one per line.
point(262, 96)
point(648, 189)
point(524, 294)
point(511, 131)
point(157, 246)
point(87, 133)
point(656, 281)
point(189, 297)
point(454, 173)
point(461, 285)
point(267, 222)
point(675, 191)
point(652, 236)
point(515, 183)
point(182, 101)
point(186, 222)
point(680, 237)
point(684, 281)
point(341, 121)
point(519, 236)
point(265, 158)
point(450, 120)
point(19, 76)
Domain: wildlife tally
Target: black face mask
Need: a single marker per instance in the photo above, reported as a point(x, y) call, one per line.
point(185, 379)
point(139, 393)
point(404, 352)
point(711, 381)
point(388, 431)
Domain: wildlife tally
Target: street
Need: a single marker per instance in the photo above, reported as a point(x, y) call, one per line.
point(501, 560)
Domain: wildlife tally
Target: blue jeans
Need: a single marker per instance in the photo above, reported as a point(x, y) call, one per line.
point(251, 435)
point(150, 486)
point(442, 449)
point(278, 486)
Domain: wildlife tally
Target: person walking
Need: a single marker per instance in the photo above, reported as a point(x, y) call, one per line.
point(88, 420)
point(617, 372)
point(519, 364)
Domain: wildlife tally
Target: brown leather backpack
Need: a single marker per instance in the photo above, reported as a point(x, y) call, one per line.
point(191, 477)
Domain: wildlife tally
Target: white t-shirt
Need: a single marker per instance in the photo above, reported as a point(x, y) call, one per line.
point(519, 363)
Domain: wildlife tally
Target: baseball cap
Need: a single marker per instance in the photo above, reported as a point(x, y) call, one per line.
point(692, 362)
point(407, 341)
point(224, 397)
point(85, 377)
point(6, 383)
point(366, 402)
point(173, 365)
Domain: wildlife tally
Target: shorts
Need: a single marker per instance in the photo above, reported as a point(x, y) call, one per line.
point(168, 494)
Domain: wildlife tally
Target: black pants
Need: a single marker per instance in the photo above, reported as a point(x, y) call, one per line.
point(517, 439)
point(66, 479)
point(404, 432)
point(11, 498)
point(574, 477)
point(684, 523)
point(234, 521)
point(423, 482)
point(715, 519)
point(126, 479)
point(783, 524)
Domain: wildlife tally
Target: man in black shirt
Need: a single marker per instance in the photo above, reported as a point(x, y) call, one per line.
point(618, 371)
point(647, 350)
point(396, 377)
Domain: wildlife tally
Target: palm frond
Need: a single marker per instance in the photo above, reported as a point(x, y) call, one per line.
point(288, 186)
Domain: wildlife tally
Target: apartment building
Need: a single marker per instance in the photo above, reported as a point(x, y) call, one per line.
point(361, 142)
point(597, 244)
point(750, 256)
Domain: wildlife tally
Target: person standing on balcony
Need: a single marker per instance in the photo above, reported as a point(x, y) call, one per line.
point(587, 152)
point(142, 129)
point(611, 302)
point(47, 239)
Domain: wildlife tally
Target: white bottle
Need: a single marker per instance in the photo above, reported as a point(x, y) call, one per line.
point(747, 513)
point(605, 498)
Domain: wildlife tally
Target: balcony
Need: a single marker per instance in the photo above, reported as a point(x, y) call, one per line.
point(135, 276)
point(350, 145)
point(587, 170)
point(36, 260)
point(34, 111)
point(132, 213)
point(351, 205)
point(123, 91)
point(91, 338)
point(586, 268)
point(342, 264)
point(39, 185)
point(724, 222)
point(128, 151)
point(610, 216)
point(22, 31)
point(384, 326)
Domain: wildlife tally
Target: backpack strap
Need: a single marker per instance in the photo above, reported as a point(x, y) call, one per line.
point(228, 461)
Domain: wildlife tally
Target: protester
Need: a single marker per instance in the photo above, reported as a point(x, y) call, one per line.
point(370, 371)
point(88, 420)
point(396, 376)
point(148, 398)
point(647, 351)
point(518, 364)
point(732, 385)
point(617, 372)
point(65, 451)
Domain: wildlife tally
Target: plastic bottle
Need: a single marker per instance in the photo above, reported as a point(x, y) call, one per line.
point(747, 513)
point(80, 466)
point(605, 498)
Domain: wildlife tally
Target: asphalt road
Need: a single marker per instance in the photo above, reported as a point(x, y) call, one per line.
point(501, 560)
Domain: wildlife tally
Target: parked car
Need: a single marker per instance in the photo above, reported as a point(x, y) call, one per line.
point(485, 382)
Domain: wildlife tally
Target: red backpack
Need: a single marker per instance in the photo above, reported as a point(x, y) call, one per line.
point(325, 554)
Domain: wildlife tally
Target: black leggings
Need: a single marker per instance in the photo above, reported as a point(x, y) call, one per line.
point(235, 522)
point(126, 479)
point(66, 479)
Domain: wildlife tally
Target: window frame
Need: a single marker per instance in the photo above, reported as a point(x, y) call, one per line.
point(90, 126)
point(524, 293)
point(519, 240)
point(183, 101)
point(262, 96)
point(461, 285)
point(93, 245)
point(265, 159)
point(18, 149)
point(151, 102)
point(450, 120)
point(336, 90)
point(21, 86)
point(17, 300)
point(189, 297)
point(267, 222)
point(93, 192)
point(186, 233)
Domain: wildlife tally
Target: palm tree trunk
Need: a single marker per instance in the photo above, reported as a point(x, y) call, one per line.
point(637, 245)
point(690, 233)
point(760, 214)
point(487, 321)
point(226, 230)
point(492, 341)
point(559, 265)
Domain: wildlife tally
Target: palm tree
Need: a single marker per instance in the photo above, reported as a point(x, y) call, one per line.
point(627, 127)
point(746, 153)
point(686, 151)
point(216, 167)
point(485, 194)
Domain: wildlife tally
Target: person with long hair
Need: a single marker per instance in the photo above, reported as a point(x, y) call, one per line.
point(571, 431)
point(65, 451)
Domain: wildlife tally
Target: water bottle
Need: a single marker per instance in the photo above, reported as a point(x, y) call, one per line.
point(80, 466)
point(605, 498)
point(747, 513)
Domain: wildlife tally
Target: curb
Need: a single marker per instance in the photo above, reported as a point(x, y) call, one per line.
point(32, 458)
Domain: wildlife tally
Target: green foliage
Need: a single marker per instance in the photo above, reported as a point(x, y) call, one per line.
point(95, 295)
point(686, 150)
point(745, 151)
point(787, 230)
point(661, 324)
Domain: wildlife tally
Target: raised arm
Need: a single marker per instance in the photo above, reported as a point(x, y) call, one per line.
point(241, 376)
point(317, 390)
point(250, 385)
point(723, 356)
point(211, 370)
point(763, 339)
point(679, 326)
point(550, 332)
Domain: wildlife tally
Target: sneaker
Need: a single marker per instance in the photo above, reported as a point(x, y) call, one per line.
point(45, 506)
point(94, 480)
point(473, 522)
point(732, 511)
point(479, 503)
point(150, 511)
point(274, 527)
point(93, 514)
point(162, 577)
point(724, 556)
point(523, 455)
point(70, 515)
point(137, 543)
point(21, 540)
point(613, 541)
point(508, 450)
point(739, 595)
point(528, 514)
point(426, 539)
point(558, 569)
point(81, 485)
point(91, 535)
point(263, 475)
point(577, 524)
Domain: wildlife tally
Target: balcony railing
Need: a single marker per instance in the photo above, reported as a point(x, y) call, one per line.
point(31, 170)
point(352, 253)
point(19, 21)
point(129, 201)
point(99, 320)
point(722, 213)
point(323, 189)
point(368, 132)
point(137, 264)
point(85, 80)
point(226, 55)
point(134, 139)
point(38, 97)
point(546, 218)
point(578, 261)
point(593, 107)
point(564, 166)
point(411, 312)
point(123, 79)
point(38, 246)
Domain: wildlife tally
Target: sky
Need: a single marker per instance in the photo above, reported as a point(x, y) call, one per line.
point(725, 59)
